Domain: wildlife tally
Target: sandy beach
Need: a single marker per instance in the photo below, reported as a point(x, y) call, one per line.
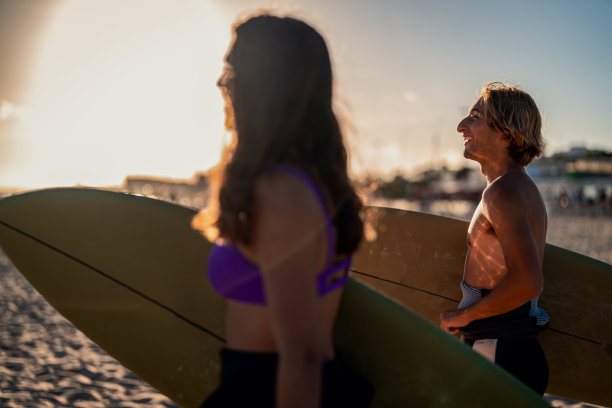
point(46, 362)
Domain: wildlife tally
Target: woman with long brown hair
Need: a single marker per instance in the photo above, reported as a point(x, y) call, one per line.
point(285, 219)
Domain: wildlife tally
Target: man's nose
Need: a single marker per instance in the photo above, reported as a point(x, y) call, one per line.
point(462, 127)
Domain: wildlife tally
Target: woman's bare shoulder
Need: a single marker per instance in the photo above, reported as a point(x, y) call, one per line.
point(281, 194)
point(288, 219)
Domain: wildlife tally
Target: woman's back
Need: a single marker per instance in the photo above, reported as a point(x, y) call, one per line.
point(290, 245)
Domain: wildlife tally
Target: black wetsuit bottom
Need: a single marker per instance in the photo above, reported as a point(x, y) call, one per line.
point(249, 380)
point(524, 359)
point(518, 350)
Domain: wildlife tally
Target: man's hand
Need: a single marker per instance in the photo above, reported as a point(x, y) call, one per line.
point(451, 320)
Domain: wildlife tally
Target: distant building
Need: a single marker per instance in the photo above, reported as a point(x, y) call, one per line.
point(191, 193)
point(577, 162)
point(547, 167)
point(440, 184)
point(578, 151)
point(590, 167)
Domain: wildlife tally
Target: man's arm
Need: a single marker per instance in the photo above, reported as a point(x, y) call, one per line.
point(506, 209)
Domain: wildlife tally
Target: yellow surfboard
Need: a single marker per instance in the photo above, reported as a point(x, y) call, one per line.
point(130, 273)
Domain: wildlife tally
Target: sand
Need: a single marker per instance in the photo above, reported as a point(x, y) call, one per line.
point(46, 362)
point(588, 234)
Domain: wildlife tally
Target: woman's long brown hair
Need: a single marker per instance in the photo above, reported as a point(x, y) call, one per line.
point(279, 85)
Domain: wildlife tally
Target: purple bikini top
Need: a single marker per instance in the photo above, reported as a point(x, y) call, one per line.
point(235, 277)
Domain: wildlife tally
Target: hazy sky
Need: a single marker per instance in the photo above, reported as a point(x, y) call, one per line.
point(94, 90)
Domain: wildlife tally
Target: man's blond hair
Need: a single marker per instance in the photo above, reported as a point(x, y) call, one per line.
point(513, 112)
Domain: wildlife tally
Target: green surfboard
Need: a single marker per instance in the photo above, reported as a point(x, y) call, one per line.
point(130, 273)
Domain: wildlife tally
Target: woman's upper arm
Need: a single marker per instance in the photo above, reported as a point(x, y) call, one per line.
point(289, 245)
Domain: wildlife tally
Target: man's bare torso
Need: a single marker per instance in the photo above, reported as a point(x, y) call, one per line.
point(484, 262)
point(485, 265)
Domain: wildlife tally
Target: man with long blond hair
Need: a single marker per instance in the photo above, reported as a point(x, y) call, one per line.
point(499, 315)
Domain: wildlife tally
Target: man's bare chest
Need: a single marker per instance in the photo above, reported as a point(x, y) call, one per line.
point(480, 228)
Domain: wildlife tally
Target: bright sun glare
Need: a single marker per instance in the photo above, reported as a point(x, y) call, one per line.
point(125, 88)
